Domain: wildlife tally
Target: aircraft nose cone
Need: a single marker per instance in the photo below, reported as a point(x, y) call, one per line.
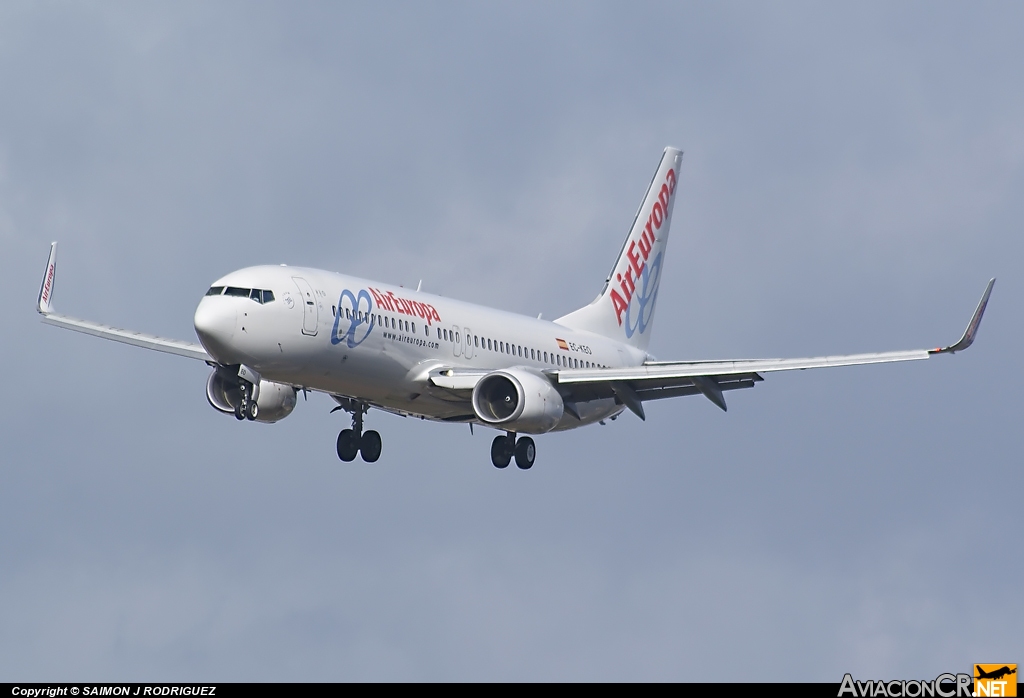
point(215, 323)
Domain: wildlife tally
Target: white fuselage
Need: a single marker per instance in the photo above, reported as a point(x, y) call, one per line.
point(355, 338)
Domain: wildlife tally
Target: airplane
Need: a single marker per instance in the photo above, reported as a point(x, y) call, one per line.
point(269, 332)
point(995, 674)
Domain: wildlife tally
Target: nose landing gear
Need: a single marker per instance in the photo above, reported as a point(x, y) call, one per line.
point(247, 407)
point(503, 448)
point(356, 441)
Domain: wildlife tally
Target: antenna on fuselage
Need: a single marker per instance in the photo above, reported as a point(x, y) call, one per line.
point(419, 286)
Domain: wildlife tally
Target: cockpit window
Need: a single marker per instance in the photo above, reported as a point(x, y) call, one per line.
point(257, 294)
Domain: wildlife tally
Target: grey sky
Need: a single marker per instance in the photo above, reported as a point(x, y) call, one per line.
point(852, 178)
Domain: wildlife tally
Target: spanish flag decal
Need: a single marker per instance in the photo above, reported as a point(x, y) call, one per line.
point(562, 344)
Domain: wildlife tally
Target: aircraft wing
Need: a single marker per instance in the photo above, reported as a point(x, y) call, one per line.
point(663, 379)
point(138, 339)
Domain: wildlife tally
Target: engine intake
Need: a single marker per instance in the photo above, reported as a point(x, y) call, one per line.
point(276, 400)
point(518, 400)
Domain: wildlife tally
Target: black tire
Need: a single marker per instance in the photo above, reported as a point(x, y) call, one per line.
point(348, 445)
point(501, 452)
point(526, 452)
point(253, 411)
point(370, 446)
point(239, 414)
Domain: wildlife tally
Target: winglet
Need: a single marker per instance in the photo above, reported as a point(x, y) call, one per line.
point(45, 304)
point(972, 327)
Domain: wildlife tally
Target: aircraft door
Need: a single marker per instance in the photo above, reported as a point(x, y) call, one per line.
point(456, 335)
point(310, 314)
point(468, 339)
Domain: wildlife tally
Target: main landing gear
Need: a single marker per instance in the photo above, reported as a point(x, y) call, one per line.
point(503, 448)
point(356, 441)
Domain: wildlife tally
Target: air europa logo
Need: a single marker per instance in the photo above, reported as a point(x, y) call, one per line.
point(396, 304)
point(48, 284)
point(359, 321)
point(355, 319)
point(639, 280)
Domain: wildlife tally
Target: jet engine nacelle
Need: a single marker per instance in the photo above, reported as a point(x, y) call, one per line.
point(518, 400)
point(276, 400)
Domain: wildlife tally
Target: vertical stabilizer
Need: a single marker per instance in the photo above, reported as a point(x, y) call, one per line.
point(625, 308)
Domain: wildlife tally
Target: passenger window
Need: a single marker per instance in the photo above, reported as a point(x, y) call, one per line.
point(545, 357)
point(414, 328)
point(489, 345)
point(458, 338)
point(533, 355)
point(348, 315)
point(439, 333)
point(475, 342)
point(215, 291)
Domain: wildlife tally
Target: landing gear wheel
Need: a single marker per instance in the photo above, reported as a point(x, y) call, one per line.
point(348, 445)
point(252, 412)
point(369, 446)
point(239, 414)
point(526, 452)
point(501, 451)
